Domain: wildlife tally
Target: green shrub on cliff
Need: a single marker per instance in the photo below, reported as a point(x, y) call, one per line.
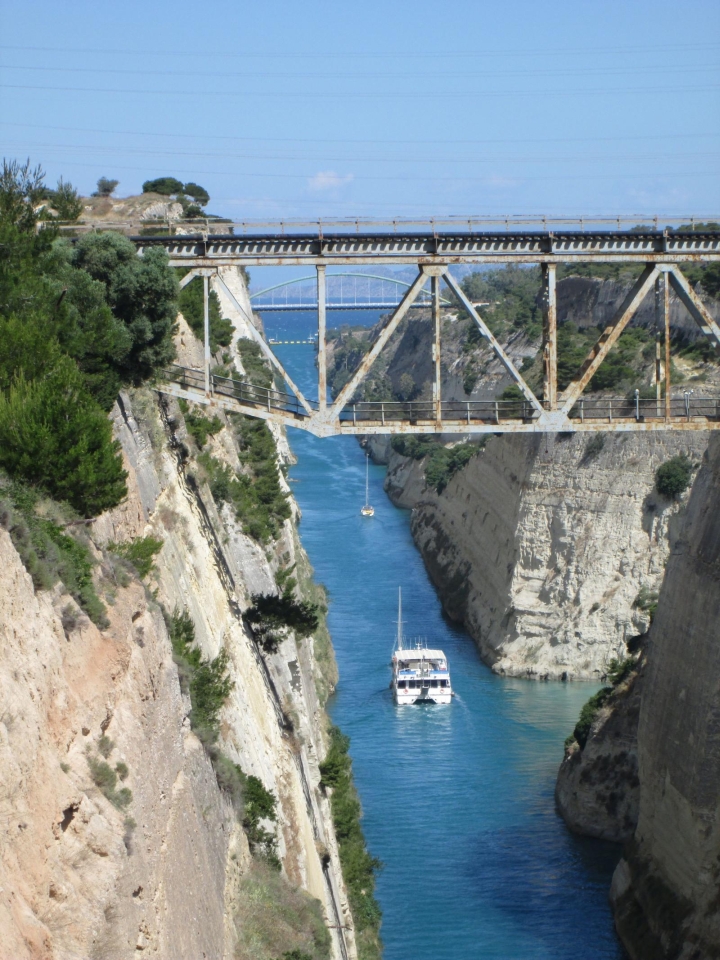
point(260, 804)
point(647, 600)
point(416, 447)
point(442, 462)
point(259, 501)
point(191, 305)
point(618, 670)
point(105, 779)
point(208, 684)
point(588, 714)
point(445, 462)
point(261, 505)
point(673, 477)
point(277, 921)
point(271, 616)
point(358, 866)
point(205, 680)
point(256, 367)
point(512, 298)
point(198, 426)
point(470, 377)
point(54, 435)
point(139, 551)
point(48, 551)
point(622, 365)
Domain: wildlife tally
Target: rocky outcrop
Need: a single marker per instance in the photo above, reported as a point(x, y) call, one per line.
point(146, 206)
point(598, 789)
point(83, 875)
point(666, 890)
point(541, 545)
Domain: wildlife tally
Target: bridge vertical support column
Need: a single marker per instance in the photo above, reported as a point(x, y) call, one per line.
point(322, 357)
point(437, 394)
point(658, 311)
point(666, 308)
point(206, 308)
point(549, 336)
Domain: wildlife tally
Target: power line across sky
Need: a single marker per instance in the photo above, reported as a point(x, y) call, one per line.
point(374, 107)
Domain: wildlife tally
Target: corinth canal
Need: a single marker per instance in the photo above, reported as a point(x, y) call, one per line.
point(458, 801)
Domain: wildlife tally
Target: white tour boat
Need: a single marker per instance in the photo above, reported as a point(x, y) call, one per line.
point(420, 675)
point(367, 510)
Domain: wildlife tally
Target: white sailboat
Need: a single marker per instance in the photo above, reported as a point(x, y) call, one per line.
point(367, 510)
point(420, 675)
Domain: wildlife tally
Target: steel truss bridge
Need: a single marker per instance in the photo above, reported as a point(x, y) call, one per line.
point(343, 291)
point(661, 254)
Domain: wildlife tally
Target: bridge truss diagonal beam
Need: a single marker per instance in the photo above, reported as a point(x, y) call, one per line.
point(492, 340)
point(695, 307)
point(351, 386)
point(609, 337)
point(262, 343)
point(197, 272)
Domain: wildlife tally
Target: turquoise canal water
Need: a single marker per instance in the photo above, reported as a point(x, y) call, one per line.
point(458, 800)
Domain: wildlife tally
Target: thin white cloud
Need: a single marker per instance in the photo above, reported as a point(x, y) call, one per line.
point(497, 181)
point(327, 180)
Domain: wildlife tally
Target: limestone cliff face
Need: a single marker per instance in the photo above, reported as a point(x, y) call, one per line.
point(666, 892)
point(77, 881)
point(542, 545)
point(79, 878)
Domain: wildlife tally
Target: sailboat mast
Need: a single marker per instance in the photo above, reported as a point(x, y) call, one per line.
point(399, 621)
point(367, 478)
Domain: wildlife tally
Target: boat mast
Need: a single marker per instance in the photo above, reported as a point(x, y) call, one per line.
point(399, 621)
point(367, 479)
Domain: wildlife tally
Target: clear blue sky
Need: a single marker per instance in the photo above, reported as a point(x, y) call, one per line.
point(374, 108)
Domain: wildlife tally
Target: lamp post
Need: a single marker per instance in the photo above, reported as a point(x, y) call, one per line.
point(687, 394)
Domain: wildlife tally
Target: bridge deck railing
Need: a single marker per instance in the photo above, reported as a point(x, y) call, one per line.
point(605, 409)
point(623, 408)
point(409, 412)
point(245, 392)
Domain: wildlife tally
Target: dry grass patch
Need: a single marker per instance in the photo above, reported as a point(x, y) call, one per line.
point(273, 918)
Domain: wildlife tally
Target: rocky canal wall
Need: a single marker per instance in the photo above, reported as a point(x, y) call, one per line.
point(542, 545)
point(666, 890)
point(171, 873)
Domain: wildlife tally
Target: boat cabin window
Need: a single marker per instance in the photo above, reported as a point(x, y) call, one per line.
point(401, 684)
point(433, 683)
